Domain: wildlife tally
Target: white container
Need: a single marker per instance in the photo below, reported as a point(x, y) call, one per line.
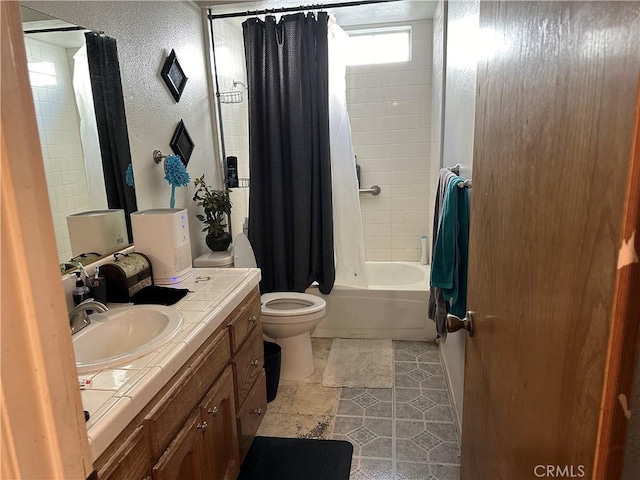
point(162, 234)
point(99, 231)
point(424, 257)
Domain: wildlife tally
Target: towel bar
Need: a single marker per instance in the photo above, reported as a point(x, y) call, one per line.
point(456, 169)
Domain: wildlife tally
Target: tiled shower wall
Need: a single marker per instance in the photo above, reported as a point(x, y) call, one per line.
point(391, 117)
point(390, 110)
point(57, 119)
point(229, 48)
point(437, 89)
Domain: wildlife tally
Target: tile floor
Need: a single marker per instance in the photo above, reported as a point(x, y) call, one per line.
point(403, 433)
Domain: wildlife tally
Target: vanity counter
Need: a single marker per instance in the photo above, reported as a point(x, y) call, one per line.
point(113, 397)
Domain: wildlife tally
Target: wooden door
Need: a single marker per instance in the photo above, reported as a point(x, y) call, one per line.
point(184, 459)
point(218, 409)
point(132, 460)
point(553, 135)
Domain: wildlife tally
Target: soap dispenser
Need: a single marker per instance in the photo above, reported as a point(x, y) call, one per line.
point(81, 291)
point(98, 287)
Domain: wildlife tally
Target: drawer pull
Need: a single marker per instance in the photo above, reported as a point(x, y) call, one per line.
point(253, 319)
point(202, 426)
point(257, 412)
point(255, 363)
point(213, 411)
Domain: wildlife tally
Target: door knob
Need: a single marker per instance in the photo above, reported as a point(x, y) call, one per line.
point(454, 323)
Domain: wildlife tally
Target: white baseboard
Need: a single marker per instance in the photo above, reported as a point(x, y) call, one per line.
point(456, 411)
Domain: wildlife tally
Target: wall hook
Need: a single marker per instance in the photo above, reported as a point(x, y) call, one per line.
point(158, 156)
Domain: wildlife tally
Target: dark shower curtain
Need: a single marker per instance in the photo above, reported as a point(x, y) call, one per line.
point(111, 121)
point(290, 211)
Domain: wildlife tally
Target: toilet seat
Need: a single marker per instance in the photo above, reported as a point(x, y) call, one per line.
point(291, 304)
point(243, 256)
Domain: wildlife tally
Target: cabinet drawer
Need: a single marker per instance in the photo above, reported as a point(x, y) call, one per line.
point(243, 319)
point(250, 416)
point(131, 461)
point(248, 364)
point(174, 408)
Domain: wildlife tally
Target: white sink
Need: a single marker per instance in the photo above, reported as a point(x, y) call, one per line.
point(123, 334)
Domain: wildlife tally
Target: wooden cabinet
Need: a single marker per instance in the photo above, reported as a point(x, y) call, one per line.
point(202, 422)
point(248, 364)
point(247, 349)
point(218, 410)
point(251, 414)
point(131, 460)
point(206, 447)
point(185, 458)
point(244, 319)
point(170, 413)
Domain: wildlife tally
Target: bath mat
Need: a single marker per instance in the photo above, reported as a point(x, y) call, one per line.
point(273, 458)
point(359, 363)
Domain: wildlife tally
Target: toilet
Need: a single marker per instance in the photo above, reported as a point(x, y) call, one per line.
point(287, 317)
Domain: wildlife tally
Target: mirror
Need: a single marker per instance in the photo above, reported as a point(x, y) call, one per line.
point(84, 142)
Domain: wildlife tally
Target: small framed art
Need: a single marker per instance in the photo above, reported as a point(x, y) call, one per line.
point(174, 76)
point(181, 143)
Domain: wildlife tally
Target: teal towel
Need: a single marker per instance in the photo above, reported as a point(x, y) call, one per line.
point(451, 251)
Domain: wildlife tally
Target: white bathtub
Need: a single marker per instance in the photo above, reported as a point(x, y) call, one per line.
point(394, 306)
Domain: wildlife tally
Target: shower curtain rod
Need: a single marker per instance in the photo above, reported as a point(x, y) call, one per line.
point(56, 29)
point(248, 13)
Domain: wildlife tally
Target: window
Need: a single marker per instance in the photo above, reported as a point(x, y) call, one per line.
point(380, 45)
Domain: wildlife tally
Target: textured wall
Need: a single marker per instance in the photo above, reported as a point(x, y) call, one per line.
point(459, 121)
point(146, 32)
point(390, 110)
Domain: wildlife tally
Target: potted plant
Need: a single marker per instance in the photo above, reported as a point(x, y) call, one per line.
point(215, 204)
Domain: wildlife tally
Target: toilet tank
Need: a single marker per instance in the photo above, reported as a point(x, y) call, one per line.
point(162, 234)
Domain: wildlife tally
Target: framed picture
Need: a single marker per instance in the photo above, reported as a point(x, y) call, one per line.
point(173, 76)
point(181, 143)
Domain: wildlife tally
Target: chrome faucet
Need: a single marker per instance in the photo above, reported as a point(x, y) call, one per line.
point(78, 317)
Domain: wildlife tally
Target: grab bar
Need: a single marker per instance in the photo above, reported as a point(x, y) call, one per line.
point(373, 190)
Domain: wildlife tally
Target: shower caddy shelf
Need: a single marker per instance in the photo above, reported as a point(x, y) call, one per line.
point(242, 183)
point(234, 96)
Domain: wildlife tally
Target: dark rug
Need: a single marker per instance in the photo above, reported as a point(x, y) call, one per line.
point(273, 458)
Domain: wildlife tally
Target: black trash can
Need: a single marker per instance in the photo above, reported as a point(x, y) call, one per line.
point(272, 355)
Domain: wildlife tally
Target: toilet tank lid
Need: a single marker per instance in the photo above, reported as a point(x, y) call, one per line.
point(243, 256)
point(215, 259)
